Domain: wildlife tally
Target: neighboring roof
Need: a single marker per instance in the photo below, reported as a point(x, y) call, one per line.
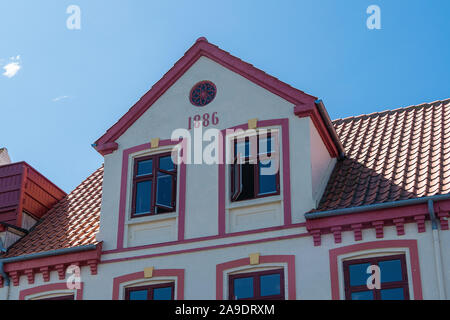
point(73, 222)
point(392, 155)
point(22, 188)
point(202, 47)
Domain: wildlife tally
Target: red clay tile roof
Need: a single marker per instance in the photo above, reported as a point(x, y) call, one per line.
point(392, 155)
point(72, 222)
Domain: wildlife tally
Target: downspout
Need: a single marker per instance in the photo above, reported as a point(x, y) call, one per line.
point(437, 250)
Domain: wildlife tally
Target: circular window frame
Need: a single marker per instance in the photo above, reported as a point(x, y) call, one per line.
point(195, 86)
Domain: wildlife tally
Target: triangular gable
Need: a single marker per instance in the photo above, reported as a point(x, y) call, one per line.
point(305, 104)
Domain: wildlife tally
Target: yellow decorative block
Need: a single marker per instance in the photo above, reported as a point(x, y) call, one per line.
point(254, 258)
point(253, 123)
point(148, 272)
point(154, 143)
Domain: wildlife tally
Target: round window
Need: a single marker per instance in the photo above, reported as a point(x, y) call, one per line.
point(202, 93)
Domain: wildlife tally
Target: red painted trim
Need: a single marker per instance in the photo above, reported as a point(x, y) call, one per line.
point(107, 148)
point(284, 123)
point(207, 238)
point(124, 183)
point(288, 259)
point(46, 264)
point(178, 273)
point(50, 287)
point(377, 219)
point(313, 113)
point(386, 244)
point(203, 48)
point(214, 247)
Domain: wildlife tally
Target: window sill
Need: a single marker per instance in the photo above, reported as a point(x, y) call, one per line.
point(152, 218)
point(254, 202)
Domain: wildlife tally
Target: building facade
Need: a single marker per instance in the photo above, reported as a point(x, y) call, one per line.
point(222, 182)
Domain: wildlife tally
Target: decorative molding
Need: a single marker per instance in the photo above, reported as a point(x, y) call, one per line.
point(154, 143)
point(157, 273)
point(253, 123)
point(58, 263)
point(148, 272)
point(254, 258)
point(48, 288)
point(377, 219)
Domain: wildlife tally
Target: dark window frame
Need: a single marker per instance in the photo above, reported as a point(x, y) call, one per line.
point(389, 285)
point(153, 178)
point(236, 169)
point(256, 284)
point(150, 289)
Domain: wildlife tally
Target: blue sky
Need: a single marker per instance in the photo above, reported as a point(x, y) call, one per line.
point(73, 85)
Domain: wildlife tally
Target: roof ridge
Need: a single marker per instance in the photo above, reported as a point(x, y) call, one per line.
point(381, 113)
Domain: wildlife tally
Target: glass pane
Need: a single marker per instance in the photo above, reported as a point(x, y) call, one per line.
point(138, 295)
point(362, 295)
point(266, 145)
point(391, 270)
point(267, 177)
point(164, 190)
point(166, 163)
point(392, 294)
point(145, 167)
point(358, 274)
point(243, 288)
point(270, 284)
point(243, 148)
point(162, 293)
point(143, 197)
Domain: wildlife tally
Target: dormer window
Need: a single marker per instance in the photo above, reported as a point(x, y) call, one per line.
point(154, 185)
point(255, 168)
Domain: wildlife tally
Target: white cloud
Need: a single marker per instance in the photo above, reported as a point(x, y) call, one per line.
point(59, 98)
point(11, 69)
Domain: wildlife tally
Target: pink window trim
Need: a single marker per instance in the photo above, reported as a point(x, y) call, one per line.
point(178, 273)
point(386, 244)
point(288, 259)
point(50, 287)
point(284, 123)
point(123, 190)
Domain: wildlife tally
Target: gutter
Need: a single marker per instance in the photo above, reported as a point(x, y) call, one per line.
point(437, 251)
point(377, 206)
point(44, 254)
point(331, 130)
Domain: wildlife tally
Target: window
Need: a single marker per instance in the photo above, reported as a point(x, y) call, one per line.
point(266, 285)
point(255, 169)
point(154, 185)
point(394, 279)
point(164, 291)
